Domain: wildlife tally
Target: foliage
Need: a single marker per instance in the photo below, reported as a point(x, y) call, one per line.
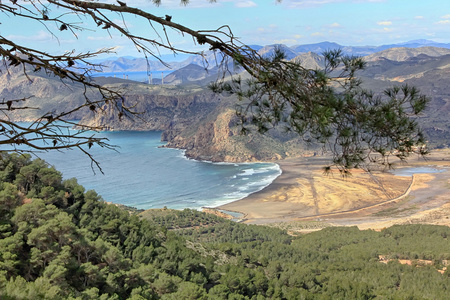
point(58, 241)
point(51, 130)
point(326, 106)
point(329, 107)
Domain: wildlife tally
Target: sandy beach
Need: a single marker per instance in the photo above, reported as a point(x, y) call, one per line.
point(304, 194)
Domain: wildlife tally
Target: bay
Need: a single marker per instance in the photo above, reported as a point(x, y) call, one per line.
point(140, 76)
point(144, 175)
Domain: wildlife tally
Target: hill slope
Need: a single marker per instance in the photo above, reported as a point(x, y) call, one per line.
point(194, 119)
point(58, 241)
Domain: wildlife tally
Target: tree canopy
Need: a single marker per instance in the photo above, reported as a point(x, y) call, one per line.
point(59, 241)
point(327, 106)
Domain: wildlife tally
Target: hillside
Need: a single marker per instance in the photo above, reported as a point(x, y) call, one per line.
point(194, 119)
point(403, 53)
point(58, 241)
point(425, 67)
point(47, 93)
point(197, 120)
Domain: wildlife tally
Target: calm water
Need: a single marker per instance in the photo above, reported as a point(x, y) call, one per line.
point(145, 176)
point(142, 76)
point(415, 170)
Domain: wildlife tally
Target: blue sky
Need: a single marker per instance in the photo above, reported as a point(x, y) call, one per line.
point(291, 22)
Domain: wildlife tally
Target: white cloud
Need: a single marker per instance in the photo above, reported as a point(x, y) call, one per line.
point(443, 22)
point(335, 25)
point(419, 17)
point(285, 41)
point(246, 4)
point(268, 29)
point(446, 17)
point(384, 23)
point(41, 36)
point(309, 3)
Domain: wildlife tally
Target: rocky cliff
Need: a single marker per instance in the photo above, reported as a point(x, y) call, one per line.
point(218, 138)
point(202, 123)
point(47, 93)
point(190, 117)
point(155, 107)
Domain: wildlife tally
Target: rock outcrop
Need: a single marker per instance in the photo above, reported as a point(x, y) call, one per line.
point(202, 123)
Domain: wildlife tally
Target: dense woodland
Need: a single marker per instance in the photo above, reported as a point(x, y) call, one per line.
point(58, 241)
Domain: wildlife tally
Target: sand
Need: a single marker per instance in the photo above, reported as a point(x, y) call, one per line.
point(304, 194)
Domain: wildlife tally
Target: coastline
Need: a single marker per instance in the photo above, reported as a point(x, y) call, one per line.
point(259, 209)
point(368, 200)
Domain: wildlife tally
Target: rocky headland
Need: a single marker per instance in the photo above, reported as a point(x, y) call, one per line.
point(193, 118)
point(198, 121)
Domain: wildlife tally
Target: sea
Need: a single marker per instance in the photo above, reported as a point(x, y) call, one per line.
point(140, 76)
point(144, 175)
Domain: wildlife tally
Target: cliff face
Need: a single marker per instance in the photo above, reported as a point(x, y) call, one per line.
point(156, 108)
point(190, 118)
point(217, 138)
point(214, 139)
point(202, 123)
point(46, 93)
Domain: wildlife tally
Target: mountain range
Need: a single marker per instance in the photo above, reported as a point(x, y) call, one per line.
point(130, 64)
point(204, 124)
point(427, 68)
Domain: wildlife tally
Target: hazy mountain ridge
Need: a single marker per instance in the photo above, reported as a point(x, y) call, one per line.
point(212, 59)
point(310, 60)
point(404, 53)
point(195, 119)
point(424, 67)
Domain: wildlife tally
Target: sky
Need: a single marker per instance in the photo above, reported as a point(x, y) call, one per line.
point(291, 22)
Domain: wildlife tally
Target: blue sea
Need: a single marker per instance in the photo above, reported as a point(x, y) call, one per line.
point(141, 76)
point(143, 175)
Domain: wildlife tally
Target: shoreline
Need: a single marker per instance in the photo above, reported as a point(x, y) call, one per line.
point(302, 194)
point(291, 169)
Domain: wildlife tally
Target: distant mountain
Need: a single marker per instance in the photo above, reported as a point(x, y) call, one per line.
point(256, 47)
point(129, 64)
point(212, 59)
point(318, 48)
point(430, 74)
point(422, 43)
point(404, 53)
point(269, 50)
point(310, 60)
point(191, 73)
point(202, 123)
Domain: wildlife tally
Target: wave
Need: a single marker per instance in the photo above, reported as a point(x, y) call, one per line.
point(247, 189)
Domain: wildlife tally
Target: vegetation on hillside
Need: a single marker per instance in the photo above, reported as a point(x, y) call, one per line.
point(58, 241)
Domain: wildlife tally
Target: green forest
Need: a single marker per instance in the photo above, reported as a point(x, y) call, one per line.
point(59, 241)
